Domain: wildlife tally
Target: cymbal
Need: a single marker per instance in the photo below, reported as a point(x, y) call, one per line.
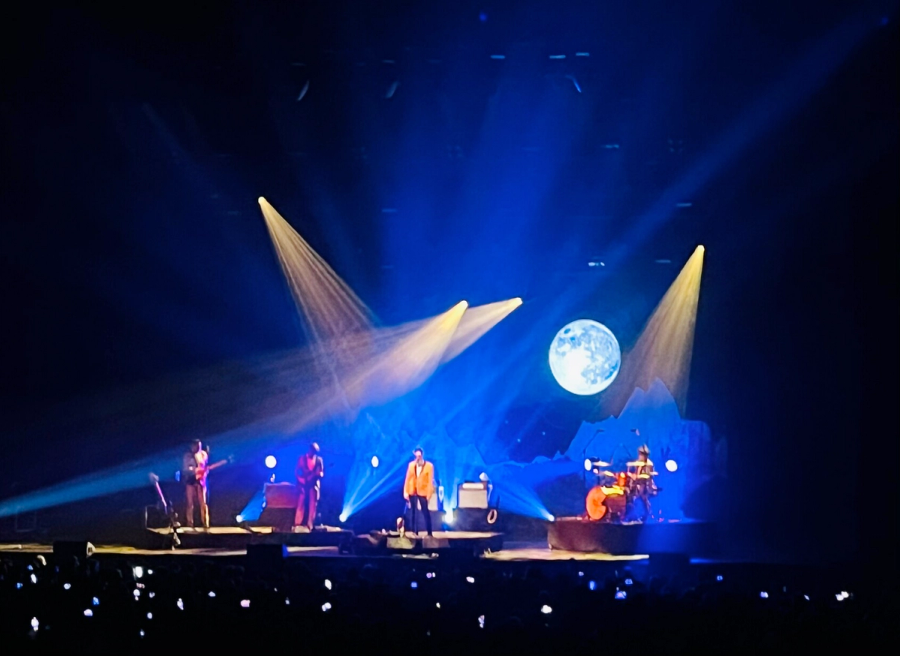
point(600, 463)
point(637, 463)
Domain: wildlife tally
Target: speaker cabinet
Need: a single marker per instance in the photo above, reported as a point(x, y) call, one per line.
point(281, 495)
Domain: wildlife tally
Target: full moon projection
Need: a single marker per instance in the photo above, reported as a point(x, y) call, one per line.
point(585, 357)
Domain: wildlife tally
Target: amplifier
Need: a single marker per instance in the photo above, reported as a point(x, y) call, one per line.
point(281, 495)
point(472, 495)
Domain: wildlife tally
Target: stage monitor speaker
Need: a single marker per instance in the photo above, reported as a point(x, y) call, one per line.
point(280, 519)
point(266, 559)
point(73, 548)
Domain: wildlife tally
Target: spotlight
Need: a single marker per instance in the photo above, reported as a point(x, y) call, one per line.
point(546, 610)
point(587, 464)
point(138, 572)
point(239, 518)
point(343, 516)
point(245, 603)
point(671, 465)
point(621, 594)
point(448, 516)
point(271, 462)
point(375, 462)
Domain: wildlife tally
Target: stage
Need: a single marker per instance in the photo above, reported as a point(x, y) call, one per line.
point(567, 538)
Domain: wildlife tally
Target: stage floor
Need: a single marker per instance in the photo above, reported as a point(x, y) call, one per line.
point(512, 552)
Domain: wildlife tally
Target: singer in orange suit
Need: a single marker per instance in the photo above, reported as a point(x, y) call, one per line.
point(419, 487)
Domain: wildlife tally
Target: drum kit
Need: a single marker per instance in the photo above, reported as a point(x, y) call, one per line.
point(612, 498)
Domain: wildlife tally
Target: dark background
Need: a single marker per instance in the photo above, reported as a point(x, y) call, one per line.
point(137, 140)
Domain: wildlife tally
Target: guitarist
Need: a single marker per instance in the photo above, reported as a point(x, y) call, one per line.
point(194, 470)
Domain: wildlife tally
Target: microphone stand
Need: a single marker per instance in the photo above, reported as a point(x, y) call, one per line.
point(584, 457)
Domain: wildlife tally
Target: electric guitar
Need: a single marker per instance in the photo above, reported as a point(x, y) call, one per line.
point(202, 472)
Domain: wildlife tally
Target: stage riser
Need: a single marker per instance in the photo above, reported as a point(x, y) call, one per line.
point(692, 538)
point(239, 541)
point(445, 544)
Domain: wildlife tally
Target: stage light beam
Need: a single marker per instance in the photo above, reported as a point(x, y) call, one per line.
point(665, 346)
point(475, 323)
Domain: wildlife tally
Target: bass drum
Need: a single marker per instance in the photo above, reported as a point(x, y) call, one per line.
point(603, 501)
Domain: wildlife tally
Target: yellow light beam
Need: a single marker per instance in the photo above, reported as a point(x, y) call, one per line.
point(476, 322)
point(330, 308)
point(665, 346)
point(404, 364)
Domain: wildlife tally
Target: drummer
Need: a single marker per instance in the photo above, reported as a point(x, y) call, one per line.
point(641, 473)
point(643, 465)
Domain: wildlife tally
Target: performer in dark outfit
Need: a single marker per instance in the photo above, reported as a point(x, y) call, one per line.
point(309, 472)
point(641, 473)
point(195, 466)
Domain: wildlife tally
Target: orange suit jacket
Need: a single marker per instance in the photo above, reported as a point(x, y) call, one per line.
point(423, 485)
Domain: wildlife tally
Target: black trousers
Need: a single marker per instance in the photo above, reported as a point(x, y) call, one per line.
point(422, 502)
